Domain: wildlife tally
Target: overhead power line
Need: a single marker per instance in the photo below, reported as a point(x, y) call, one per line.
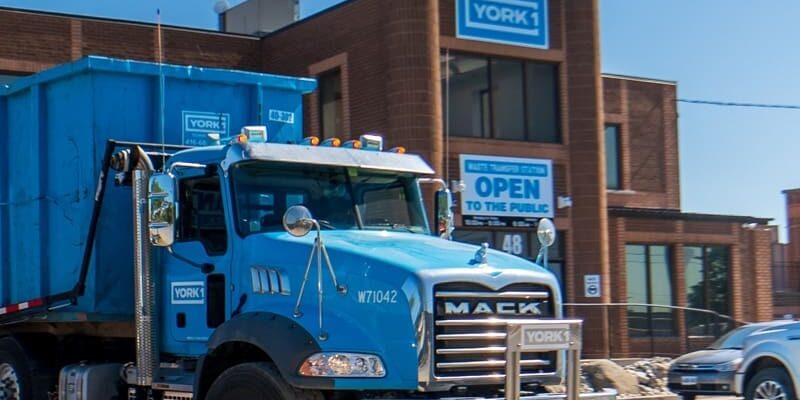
point(735, 104)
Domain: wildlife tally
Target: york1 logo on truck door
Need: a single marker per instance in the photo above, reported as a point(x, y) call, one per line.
point(512, 22)
point(196, 125)
point(188, 292)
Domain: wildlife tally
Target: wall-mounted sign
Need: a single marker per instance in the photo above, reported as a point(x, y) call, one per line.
point(512, 22)
point(591, 285)
point(505, 191)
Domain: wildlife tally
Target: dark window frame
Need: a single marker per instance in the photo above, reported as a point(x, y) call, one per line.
point(711, 329)
point(526, 126)
point(670, 261)
point(338, 97)
point(185, 215)
point(617, 154)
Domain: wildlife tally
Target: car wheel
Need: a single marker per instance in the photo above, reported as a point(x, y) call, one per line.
point(770, 384)
point(688, 396)
point(258, 380)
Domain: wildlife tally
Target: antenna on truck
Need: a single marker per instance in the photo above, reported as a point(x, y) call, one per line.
point(161, 93)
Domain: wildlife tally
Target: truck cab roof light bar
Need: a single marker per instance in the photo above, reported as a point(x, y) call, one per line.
point(310, 141)
point(352, 144)
point(331, 142)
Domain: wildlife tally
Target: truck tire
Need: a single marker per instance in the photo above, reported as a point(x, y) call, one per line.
point(16, 374)
point(770, 383)
point(256, 380)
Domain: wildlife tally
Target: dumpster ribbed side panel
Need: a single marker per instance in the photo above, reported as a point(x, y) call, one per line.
point(4, 238)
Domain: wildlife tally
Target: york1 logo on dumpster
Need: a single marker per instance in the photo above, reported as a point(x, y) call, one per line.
point(196, 125)
point(188, 292)
point(513, 22)
point(516, 188)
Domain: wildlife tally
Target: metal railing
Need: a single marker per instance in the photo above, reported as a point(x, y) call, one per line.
point(623, 330)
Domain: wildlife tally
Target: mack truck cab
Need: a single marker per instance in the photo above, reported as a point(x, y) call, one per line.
point(311, 269)
point(293, 271)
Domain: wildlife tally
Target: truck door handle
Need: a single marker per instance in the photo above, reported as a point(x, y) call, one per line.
point(796, 337)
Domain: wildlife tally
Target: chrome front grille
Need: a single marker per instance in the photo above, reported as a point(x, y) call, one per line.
point(470, 324)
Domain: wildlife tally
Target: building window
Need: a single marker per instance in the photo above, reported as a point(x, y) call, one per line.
point(330, 104)
point(500, 98)
point(706, 269)
point(612, 157)
point(649, 281)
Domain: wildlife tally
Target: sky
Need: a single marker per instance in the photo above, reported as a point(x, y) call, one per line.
point(732, 160)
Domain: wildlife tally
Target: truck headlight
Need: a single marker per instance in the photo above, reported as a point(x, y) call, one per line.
point(732, 365)
point(343, 365)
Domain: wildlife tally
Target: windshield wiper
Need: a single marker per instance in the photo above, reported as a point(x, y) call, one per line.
point(325, 224)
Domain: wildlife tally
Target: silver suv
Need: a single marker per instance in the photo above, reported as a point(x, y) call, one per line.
point(771, 364)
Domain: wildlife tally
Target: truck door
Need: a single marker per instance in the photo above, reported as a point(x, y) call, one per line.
point(194, 276)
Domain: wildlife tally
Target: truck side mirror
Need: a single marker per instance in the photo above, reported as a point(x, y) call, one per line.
point(162, 208)
point(297, 220)
point(443, 202)
point(546, 232)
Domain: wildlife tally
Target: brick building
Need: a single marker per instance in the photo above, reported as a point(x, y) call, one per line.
point(399, 68)
point(786, 261)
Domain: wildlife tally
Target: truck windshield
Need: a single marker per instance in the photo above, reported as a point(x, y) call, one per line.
point(339, 198)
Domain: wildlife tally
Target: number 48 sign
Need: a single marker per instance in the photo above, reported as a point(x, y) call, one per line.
point(513, 243)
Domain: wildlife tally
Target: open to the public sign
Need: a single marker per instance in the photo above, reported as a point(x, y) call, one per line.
point(506, 191)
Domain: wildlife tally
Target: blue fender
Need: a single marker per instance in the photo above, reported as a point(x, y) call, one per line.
point(285, 342)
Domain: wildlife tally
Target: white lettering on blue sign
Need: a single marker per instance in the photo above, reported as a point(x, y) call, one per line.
point(512, 22)
point(196, 125)
point(285, 117)
point(506, 187)
point(193, 292)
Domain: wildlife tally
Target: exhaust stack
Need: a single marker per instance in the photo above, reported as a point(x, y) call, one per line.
point(147, 360)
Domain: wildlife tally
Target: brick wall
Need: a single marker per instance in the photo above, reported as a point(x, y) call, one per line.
point(34, 41)
point(647, 116)
point(757, 283)
point(586, 146)
point(357, 35)
point(793, 224)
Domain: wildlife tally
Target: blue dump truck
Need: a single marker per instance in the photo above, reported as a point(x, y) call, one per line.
point(167, 232)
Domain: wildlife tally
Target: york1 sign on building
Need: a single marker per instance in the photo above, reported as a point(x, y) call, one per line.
point(512, 22)
point(505, 191)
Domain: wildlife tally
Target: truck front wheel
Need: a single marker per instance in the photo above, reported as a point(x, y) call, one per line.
point(256, 380)
point(769, 384)
point(16, 376)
